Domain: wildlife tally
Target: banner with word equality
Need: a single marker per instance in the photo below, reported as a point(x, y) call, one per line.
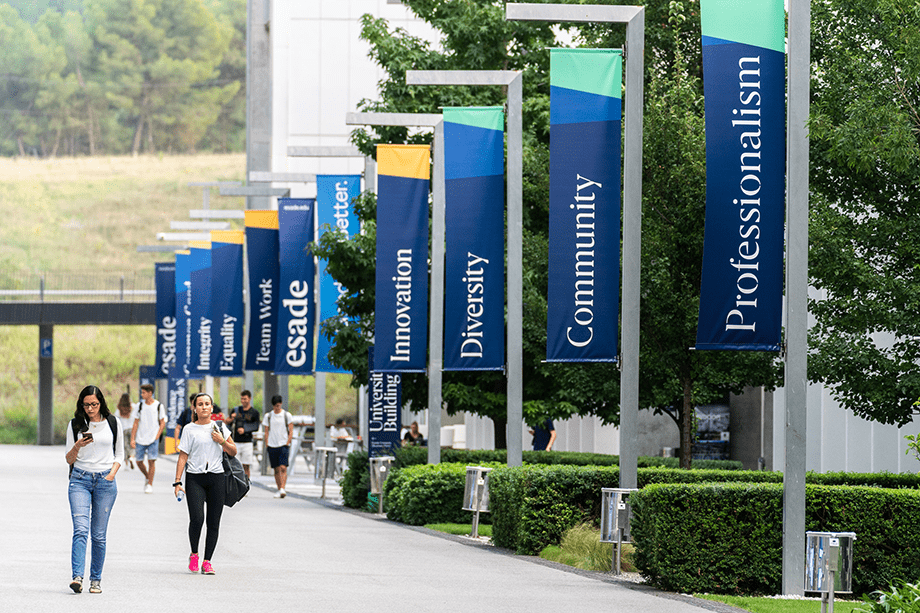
point(264, 271)
point(744, 88)
point(200, 291)
point(401, 300)
point(164, 276)
point(384, 402)
point(474, 273)
point(582, 322)
point(183, 315)
point(297, 306)
point(227, 311)
point(334, 195)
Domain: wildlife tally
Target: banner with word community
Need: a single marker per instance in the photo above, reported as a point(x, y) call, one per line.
point(384, 402)
point(744, 87)
point(262, 258)
point(582, 322)
point(334, 195)
point(227, 311)
point(297, 306)
point(183, 314)
point(165, 282)
point(474, 274)
point(401, 302)
point(200, 292)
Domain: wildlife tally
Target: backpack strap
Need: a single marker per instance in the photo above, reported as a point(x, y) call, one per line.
point(113, 426)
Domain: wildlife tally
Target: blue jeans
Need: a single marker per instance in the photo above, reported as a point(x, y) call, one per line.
point(91, 500)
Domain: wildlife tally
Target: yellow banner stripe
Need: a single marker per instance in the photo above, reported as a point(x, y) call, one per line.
point(184, 252)
point(410, 161)
point(232, 237)
point(262, 219)
point(199, 244)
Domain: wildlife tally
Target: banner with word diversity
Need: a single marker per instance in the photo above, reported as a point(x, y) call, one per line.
point(227, 311)
point(582, 322)
point(384, 401)
point(474, 273)
point(183, 315)
point(744, 87)
point(401, 302)
point(297, 306)
point(334, 195)
point(165, 282)
point(262, 259)
point(200, 292)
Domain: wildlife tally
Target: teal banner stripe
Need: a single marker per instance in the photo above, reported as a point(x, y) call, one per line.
point(593, 71)
point(487, 117)
point(759, 23)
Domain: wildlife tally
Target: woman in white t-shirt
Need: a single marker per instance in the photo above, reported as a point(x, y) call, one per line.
point(201, 457)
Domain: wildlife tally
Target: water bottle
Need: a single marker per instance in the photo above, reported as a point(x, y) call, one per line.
point(180, 496)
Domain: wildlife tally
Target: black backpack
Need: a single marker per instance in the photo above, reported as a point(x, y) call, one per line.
point(113, 424)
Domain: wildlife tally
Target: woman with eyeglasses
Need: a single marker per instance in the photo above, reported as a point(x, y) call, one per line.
point(95, 452)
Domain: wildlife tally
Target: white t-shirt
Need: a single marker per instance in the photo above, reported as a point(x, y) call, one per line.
point(277, 423)
point(98, 456)
point(126, 423)
point(148, 416)
point(204, 453)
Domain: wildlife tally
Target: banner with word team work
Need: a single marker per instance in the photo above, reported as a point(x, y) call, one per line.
point(264, 271)
point(582, 320)
point(297, 306)
point(183, 315)
point(474, 288)
point(401, 302)
point(200, 292)
point(334, 195)
point(227, 311)
point(165, 282)
point(744, 88)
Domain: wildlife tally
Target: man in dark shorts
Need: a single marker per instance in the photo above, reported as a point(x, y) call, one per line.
point(279, 430)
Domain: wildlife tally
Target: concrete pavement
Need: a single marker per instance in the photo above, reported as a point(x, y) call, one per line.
point(298, 553)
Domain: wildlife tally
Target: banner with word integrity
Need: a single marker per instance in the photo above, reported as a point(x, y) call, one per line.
point(474, 272)
point(297, 306)
point(183, 314)
point(582, 322)
point(200, 292)
point(165, 283)
point(401, 301)
point(744, 87)
point(384, 402)
point(334, 195)
point(262, 259)
point(227, 311)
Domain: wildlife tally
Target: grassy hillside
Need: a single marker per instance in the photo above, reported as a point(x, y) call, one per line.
point(89, 214)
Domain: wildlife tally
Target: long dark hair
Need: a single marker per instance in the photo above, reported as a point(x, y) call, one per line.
point(80, 414)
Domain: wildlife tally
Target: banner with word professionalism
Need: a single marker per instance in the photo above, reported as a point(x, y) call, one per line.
point(401, 302)
point(334, 195)
point(262, 258)
point(744, 87)
point(165, 282)
point(582, 322)
point(474, 273)
point(200, 291)
point(227, 311)
point(384, 402)
point(297, 306)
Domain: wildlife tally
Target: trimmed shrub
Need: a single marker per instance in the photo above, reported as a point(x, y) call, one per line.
point(428, 494)
point(356, 481)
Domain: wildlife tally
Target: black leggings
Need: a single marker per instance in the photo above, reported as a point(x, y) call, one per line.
point(201, 488)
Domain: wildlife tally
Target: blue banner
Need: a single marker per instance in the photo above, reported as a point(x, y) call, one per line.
point(200, 292)
point(334, 195)
point(165, 282)
point(264, 277)
point(384, 401)
point(227, 311)
point(146, 375)
point(744, 86)
point(183, 315)
point(401, 290)
point(474, 274)
point(297, 309)
point(176, 394)
point(582, 321)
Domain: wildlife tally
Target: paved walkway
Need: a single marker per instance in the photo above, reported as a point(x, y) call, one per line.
point(299, 553)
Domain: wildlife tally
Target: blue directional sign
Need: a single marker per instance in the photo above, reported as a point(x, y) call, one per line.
point(46, 348)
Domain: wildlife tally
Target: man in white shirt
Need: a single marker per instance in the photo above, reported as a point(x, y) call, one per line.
point(145, 435)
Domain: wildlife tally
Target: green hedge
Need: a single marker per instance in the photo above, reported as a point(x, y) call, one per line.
point(426, 494)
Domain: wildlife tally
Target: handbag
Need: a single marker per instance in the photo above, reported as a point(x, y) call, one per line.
point(237, 483)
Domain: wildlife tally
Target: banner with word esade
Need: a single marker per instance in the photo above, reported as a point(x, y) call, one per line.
point(474, 286)
point(227, 311)
point(183, 314)
point(582, 322)
point(384, 402)
point(744, 87)
point(262, 258)
point(401, 301)
point(200, 292)
point(164, 275)
point(297, 306)
point(334, 195)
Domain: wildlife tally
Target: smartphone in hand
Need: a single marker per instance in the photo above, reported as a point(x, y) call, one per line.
point(88, 435)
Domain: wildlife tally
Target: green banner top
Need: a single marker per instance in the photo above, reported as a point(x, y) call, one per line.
point(593, 71)
point(760, 23)
point(487, 117)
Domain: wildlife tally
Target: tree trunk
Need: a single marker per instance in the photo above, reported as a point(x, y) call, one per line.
point(501, 432)
point(92, 130)
point(136, 147)
point(22, 148)
point(686, 427)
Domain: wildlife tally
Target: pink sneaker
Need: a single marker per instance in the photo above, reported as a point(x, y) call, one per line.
point(206, 568)
point(193, 563)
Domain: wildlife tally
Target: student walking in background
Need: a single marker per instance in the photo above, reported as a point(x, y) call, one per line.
point(95, 452)
point(126, 418)
point(243, 421)
point(279, 430)
point(149, 422)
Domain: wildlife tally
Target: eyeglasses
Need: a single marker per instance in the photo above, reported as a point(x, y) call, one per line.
point(90, 405)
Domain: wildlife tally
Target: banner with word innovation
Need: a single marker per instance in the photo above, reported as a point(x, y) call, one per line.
point(183, 314)
point(582, 320)
point(297, 306)
point(744, 87)
point(227, 311)
point(200, 292)
point(334, 195)
point(401, 301)
point(474, 286)
point(262, 258)
point(384, 402)
point(165, 282)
